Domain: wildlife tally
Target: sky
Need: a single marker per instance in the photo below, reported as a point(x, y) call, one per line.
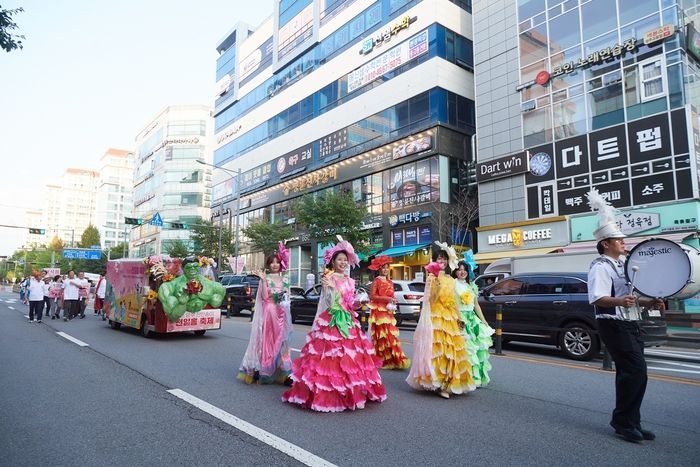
point(91, 75)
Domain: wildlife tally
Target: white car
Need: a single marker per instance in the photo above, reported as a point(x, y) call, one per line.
point(409, 297)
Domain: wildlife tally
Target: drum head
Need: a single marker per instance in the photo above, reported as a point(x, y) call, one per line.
point(663, 268)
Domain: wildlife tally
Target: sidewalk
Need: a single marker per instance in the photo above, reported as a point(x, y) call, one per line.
point(683, 337)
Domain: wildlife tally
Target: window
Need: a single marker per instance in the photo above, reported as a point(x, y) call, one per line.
point(564, 32)
point(605, 101)
point(507, 287)
point(543, 286)
point(597, 18)
point(569, 117)
point(573, 285)
point(652, 80)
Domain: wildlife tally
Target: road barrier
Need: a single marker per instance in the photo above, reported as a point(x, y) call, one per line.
point(499, 330)
point(228, 306)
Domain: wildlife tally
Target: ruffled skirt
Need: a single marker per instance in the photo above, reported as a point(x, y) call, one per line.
point(449, 369)
point(478, 342)
point(335, 373)
point(385, 337)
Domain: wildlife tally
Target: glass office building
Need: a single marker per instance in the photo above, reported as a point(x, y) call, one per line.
point(372, 98)
point(580, 94)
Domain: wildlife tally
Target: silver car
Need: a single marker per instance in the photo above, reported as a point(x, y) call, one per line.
point(409, 297)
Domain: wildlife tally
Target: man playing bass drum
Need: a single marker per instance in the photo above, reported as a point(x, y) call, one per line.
point(618, 314)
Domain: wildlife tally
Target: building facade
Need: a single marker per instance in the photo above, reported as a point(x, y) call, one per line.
point(169, 183)
point(374, 98)
point(573, 95)
point(114, 200)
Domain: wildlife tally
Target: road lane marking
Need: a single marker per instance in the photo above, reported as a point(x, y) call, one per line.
point(292, 450)
point(677, 370)
point(673, 354)
point(11, 307)
point(668, 362)
point(72, 339)
point(26, 316)
point(664, 378)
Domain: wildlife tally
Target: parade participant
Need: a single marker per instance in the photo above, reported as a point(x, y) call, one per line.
point(440, 361)
point(478, 331)
point(267, 358)
point(383, 330)
point(56, 293)
point(100, 291)
point(71, 305)
point(83, 293)
point(35, 295)
point(337, 369)
point(617, 315)
point(47, 295)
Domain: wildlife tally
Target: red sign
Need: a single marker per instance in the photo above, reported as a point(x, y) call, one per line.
point(542, 78)
point(659, 34)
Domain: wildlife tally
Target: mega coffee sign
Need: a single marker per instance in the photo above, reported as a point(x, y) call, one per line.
point(501, 167)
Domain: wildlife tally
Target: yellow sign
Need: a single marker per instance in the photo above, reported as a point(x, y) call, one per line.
point(517, 236)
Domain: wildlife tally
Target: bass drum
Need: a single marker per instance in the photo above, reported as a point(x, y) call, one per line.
point(665, 269)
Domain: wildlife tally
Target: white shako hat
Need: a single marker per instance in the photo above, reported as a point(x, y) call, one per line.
point(607, 226)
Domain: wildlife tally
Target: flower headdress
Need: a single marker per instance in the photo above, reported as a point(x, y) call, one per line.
point(433, 268)
point(283, 256)
point(452, 260)
point(378, 262)
point(344, 246)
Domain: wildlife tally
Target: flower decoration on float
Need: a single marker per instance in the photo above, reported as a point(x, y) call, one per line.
point(379, 261)
point(283, 256)
point(344, 246)
point(168, 277)
point(152, 295)
point(193, 287)
point(451, 254)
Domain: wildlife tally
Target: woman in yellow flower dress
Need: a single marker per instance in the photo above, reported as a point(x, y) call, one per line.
point(478, 331)
point(440, 361)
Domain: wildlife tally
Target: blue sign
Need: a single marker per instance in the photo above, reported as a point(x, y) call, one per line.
point(156, 220)
point(95, 247)
point(82, 253)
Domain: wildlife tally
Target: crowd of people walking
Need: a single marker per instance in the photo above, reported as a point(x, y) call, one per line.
point(47, 296)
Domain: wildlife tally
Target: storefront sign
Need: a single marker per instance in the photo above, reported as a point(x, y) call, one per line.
point(411, 236)
point(388, 61)
point(501, 167)
point(333, 143)
point(540, 235)
point(616, 51)
point(634, 222)
point(252, 62)
point(291, 33)
point(385, 35)
point(222, 85)
point(659, 34)
point(294, 160)
point(397, 238)
point(259, 174)
point(425, 234)
point(309, 181)
point(407, 217)
point(692, 41)
point(228, 134)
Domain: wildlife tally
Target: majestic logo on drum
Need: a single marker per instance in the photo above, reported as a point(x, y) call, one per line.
point(651, 251)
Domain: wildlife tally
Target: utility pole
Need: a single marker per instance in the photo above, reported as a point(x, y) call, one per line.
point(221, 226)
point(238, 214)
point(124, 240)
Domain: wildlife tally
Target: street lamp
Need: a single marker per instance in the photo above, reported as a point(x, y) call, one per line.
point(238, 208)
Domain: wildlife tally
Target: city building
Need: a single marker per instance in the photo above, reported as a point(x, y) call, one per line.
point(114, 201)
point(573, 95)
point(33, 219)
point(170, 186)
point(374, 98)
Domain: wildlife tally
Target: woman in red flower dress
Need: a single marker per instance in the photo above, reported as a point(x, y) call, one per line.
point(382, 322)
point(337, 369)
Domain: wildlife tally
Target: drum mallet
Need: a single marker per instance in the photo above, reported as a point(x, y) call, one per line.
point(635, 268)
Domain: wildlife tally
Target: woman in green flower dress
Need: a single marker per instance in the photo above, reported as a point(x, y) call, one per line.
point(477, 329)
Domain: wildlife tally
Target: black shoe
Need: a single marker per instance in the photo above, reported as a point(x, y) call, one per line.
point(82, 316)
point(53, 317)
point(628, 434)
point(288, 381)
point(646, 434)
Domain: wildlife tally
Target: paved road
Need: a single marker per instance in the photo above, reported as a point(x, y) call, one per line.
point(107, 404)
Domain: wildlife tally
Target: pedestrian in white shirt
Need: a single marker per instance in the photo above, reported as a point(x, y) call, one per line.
point(35, 292)
point(71, 299)
point(100, 291)
point(47, 296)
point(83, 293)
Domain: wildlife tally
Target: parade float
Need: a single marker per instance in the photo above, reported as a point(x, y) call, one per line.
point(160, 294)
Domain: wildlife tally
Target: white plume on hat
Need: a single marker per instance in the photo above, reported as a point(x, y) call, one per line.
point(607, 225)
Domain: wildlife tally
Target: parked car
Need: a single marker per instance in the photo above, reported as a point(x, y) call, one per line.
point(486, 280)
point(303, 307)
point(241, 290)
point(409, 298)
point(553, 309)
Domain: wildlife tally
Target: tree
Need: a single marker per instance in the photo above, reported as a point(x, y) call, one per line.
point(205, 236)
point(178, 249)
point(56, 245)
point(8, 40)
point(118, 250)
point(333, 214)
point(450, 222)
point(265, 236)
point(90, 237)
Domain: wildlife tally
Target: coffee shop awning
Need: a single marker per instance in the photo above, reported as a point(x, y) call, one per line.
point(483, 258)
point(402, 250)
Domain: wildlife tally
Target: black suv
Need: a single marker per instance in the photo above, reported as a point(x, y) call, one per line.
point(240, 291)
point(553, 309)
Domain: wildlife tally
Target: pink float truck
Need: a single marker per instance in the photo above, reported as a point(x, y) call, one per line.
point(127, 302)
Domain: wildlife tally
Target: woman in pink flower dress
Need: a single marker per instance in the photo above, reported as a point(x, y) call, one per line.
point(337, 369)
point(267, 358)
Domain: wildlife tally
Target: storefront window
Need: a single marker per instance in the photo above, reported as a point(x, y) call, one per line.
point(564, 32)
point(634, 9)
point(598, 17)
point(567, 79)
point(533, 44)
point(569, 118)
point(644, 89)
point(600, 43)
point(605, 102)
point(537, 127)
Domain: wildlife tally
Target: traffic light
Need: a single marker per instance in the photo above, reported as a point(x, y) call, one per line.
point(133, 220)
point(37, 231)
point(179, 225)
